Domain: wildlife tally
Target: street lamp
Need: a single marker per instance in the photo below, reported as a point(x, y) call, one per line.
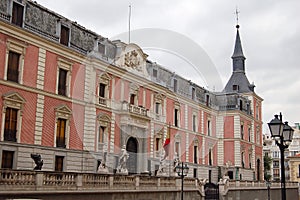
point(283, 135)
point(182, 171)
point(268, 183)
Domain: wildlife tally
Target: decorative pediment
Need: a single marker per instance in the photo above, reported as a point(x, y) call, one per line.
point(159, 97)
point(14, 96)
point(176, 104)
point(132, 58)
point(63, 111)
point(104, 77)
point(103, 117)
point(134, 88)
point(159, 132)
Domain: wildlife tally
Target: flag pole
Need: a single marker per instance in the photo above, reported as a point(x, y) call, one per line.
point(129, 19)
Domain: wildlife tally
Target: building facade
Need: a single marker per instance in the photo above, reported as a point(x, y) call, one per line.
point(291, 156)
point(77, 99)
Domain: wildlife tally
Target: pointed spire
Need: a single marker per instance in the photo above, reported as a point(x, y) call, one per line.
point(238, 56)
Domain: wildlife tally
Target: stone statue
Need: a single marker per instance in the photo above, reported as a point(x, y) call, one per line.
point(102, 168)
point(38, 161)
point(122, 168)
point(175, 162)
point(162, 166)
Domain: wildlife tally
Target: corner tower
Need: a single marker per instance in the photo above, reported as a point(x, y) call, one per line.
point(238, 81)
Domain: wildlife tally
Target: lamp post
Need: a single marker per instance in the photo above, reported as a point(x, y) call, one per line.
point(268, 183)
point(182, 171)
point(283, 135)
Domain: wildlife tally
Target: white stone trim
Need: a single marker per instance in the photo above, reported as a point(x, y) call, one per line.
point(39, 118)
point(17, 47)
point(41, 69)
point(63, 112)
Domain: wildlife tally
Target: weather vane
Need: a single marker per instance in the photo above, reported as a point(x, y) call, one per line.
point(237, 12)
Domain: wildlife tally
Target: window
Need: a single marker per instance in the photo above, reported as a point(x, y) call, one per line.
point(13, 66)
point(298, 170)
point(241, 105)
point(275, 164)
point(208, 128)
point(13, 105)
point(10, 127)
point(249, 134)
point(242, 131)
point(258, 135)
point(104, 124)
point(63, 77)
point(250, 158)
point(195, 154)
point(101, 134)
point(61, 133)
point(17, 14)
point(133, 93)
point(64, 35)
point(194, 123)
point(195, 172)
point(157, 108)
point(102, 90)
point(62, 82)
point(101, 48)
point(256, 111)
point(235, 87)
point(132, 99)
point(155, 73)
point(176, 117)
point(62, 129)
point(157, 144)
point(193, 93)
point(59, 163)
point(207, 100)
point(210, 156)
point(177, 148)
point(276, 172)
point(7, 159)
point(15, 53)
point(175, 85)
point(243, 159)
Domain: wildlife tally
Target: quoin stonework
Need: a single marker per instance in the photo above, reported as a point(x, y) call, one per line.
point(80, 101)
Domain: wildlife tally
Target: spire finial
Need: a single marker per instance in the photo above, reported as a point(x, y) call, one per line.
point(237, 12)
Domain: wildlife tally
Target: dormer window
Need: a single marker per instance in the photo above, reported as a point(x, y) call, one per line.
point(207, 100)
point(193, 93)
point(155, 73)
point(235, 87)
point(17, 14)
point(175, 85)
point(101, 48)
point(64, 35)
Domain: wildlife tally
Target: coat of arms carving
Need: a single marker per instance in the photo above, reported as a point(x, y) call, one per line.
point(132, 60)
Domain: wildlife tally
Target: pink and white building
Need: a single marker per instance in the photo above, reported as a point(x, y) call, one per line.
point(76, 98)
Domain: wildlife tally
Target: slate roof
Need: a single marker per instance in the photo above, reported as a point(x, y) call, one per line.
point(238, 81)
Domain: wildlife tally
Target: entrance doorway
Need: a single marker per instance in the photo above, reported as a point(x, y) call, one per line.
point(132, 149)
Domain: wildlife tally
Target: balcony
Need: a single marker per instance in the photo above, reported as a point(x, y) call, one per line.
point(138, 110)
point(102, 101)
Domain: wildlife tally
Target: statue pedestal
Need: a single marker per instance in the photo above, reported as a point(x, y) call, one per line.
point(122, 171)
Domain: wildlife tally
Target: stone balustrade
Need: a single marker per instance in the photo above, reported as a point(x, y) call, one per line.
point(16, 180)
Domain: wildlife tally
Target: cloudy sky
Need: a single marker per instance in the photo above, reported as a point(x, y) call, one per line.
point(270, 34)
